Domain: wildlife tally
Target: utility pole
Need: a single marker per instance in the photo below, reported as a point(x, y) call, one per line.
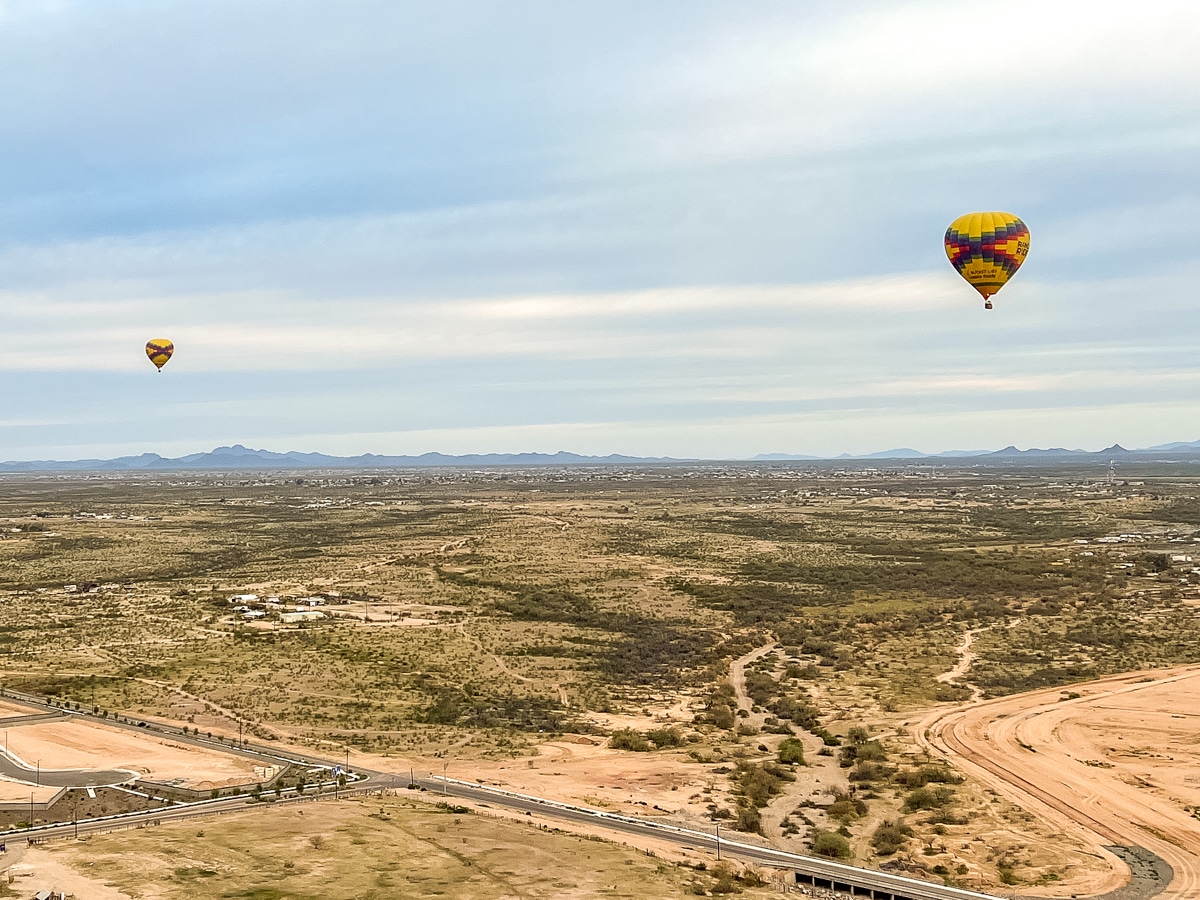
point(445, 763)
point(31, 810)
point(39, 773)
point(718, 826)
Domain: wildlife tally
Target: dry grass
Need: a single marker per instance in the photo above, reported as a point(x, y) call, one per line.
point(373, 848)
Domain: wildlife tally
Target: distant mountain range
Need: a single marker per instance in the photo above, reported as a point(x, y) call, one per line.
point(238, 457)
point(1116, 451)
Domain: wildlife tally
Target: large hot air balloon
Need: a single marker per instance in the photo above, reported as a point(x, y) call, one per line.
point(159, 350)
point(987, 248)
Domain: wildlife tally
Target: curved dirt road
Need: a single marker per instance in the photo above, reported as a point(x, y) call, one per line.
point(1115, 764)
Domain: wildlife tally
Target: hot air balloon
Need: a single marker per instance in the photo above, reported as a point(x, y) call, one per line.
point(159, 350)
point(987, 248)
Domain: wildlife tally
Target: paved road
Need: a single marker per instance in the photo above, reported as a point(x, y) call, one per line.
point(72, 778)
point(835, 873)
point(897, 885)
point(372, 780)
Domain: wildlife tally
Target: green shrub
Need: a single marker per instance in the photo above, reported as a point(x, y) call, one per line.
point(918, 778)
point(924, 798)
point(845, 809)
point(871, 751)
point(665, 737)
point(629, 739)
point(870, 771)
point(831, 844)
point(748, 820)
point(791, 752)
point(890, 837)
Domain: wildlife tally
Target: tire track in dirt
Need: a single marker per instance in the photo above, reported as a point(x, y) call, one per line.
point(1032, 747)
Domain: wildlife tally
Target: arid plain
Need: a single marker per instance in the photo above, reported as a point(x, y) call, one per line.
point(828, 660)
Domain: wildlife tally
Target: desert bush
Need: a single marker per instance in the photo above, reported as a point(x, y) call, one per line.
point(629, 739)
point(870, 771)
point(803, 713)
point(890, 837)
point(845, 808)
point(918, 778)
point(748, 820)
point(758, 783)
point(924, 798)
point(665, 737)
point(831, 844)
point(791, 751)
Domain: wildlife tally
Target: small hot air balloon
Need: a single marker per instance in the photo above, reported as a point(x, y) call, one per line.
point(987, 248)
point(159, 350)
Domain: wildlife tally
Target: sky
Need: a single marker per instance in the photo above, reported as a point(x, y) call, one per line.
point(692, 229)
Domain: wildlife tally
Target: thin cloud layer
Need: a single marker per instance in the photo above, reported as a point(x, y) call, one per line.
point(685, 229)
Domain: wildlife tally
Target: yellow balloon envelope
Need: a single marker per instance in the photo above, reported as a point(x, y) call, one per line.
point(159, 350)
point(987, 248)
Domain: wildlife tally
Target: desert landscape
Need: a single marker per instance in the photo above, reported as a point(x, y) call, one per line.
point(926, 672)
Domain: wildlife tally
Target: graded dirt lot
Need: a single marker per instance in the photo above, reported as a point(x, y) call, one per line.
point(19, 791)
point(1111, 762)
point(78, 743)
point(9, 710)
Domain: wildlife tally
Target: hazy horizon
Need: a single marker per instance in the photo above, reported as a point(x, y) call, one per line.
point(763, 456)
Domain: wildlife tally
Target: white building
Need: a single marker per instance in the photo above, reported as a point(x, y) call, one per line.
point(301, 615)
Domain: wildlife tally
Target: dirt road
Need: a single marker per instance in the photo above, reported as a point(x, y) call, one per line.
point(737, 674)
point(966, 658)
point(1111, 762)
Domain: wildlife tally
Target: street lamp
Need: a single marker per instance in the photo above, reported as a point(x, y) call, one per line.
point(445, 763)
point(39, 773)
point(718, 827)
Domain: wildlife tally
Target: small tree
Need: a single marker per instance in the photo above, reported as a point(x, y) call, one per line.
point(791, 752)
point(831, 844)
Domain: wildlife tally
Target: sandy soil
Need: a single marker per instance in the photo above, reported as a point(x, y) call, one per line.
point(79, 744)
point(39, 870)
point(9, 709)
point(966, 658)
point(583, 770)
point(19, 791)
point(1115, 765)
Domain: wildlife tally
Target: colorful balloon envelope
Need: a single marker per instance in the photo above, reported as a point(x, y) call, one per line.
point(159, 350)
point(987, 248)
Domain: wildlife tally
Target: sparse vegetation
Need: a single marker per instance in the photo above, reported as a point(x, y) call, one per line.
point(475, 614)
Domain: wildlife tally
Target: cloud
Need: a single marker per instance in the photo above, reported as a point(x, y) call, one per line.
point(670, 225)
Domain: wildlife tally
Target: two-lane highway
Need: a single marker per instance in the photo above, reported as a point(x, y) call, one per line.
point(868, 882)
point(882, 884)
